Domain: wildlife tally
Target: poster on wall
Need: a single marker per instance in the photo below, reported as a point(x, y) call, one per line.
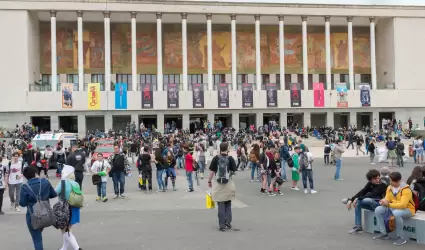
point(121, 96)
point(223, 95)
point(295, 95)
point(173, 95)
point(67, 89)
point(93, 96)
point(147, 96)
point(198, 95)
point(365, 95)
point(247, 96)
point(271, 89)
point(341, 90)
point(319, 95)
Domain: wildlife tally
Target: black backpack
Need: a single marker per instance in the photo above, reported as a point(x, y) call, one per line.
point(223, 174)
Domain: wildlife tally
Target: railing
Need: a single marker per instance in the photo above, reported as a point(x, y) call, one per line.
point(40, 87)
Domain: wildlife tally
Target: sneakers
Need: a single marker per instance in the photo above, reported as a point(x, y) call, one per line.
point(1, 212)
point(12, 205)
point(98, 198)
point(400, 241)
point(122, 196)
point(174, 189)
point(305, 191)
point(313, 191)
point(271, 193)
point(344, 201)
point(263, 191)
point(190, 190)
point(17, 209)
point(295, 188)
point(116, 196)
point(279, 193)
point(356, 230)
point(228, 226)
point(339, 179)
point(381, 237)
point(104, 199)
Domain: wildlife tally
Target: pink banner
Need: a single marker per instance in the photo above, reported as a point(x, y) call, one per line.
point(319, 95)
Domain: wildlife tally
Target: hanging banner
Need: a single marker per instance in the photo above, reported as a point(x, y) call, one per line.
point(121, 96)
point(271, 89)
point(295, 95)
point(93, 97)
point(147, 96)
point(67, 95)
point(223, 95)
point(198, 95)
point(319, 95)
point(173, 95)
point(341, 89)
point(365, 95)
point(247, 96)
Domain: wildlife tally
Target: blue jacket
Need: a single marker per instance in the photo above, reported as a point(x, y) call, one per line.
point(284, 153)
point(28, 199)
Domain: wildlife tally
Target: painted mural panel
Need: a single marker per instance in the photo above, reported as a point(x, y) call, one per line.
point(173, 58)
point(361, 47)
point(339, 47)
point(293, 52)
point(316, 53)
point(245, 52)
point(146, 49)
point(196, 55)
point(222, 51)
point(121, 48)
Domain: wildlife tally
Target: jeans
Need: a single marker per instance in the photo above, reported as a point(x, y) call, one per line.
point(307, 173)
point(368, 204)
point(15, 193)
point(159, 179)
point(180, 162)
point(118, 178)
point(101, 189)
point(147, 176)
point(326, 158)
point(189, 179)
point(400, 160)
point(372, 156)
point(201, 167)
point(253, 168)
point(1, 198)
point(338, 169)
point(59, 168)
point(350, 143)
point(224, 213)
point(36, 235)
point(283, 169)
point(399, 215)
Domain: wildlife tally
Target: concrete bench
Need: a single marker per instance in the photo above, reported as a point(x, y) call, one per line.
point(414, 228)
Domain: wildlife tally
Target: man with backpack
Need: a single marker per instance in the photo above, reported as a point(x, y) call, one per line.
point(391, 146)
point(400, 152)
point(222, 167)
point(77, 159)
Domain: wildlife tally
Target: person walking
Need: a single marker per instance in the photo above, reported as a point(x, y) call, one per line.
point(400, 153)
point(77, 159)
point(223, 166)
point(101, 167)
point(338, 151)
point(14, 181)
point(119, 163)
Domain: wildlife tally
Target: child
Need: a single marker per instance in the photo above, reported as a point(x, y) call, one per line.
point(327, 152)
point(295, 168)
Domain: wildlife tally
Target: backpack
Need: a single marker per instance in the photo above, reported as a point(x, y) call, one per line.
point(385, 180)
point(391, 145)
point(62, 210)
point(400, 147)
point(290, 162)
point(42, 215)
point(303, 160)
point(420, 196)
point(222, 169)
point(327, 150)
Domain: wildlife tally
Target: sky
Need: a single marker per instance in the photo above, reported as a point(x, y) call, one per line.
point(350, 2)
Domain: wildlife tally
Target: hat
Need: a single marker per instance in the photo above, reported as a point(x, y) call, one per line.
point(67, 170)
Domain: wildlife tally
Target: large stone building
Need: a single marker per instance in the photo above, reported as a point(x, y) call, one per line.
point(323, 62)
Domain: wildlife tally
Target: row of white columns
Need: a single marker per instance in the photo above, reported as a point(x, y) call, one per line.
point(209, 51)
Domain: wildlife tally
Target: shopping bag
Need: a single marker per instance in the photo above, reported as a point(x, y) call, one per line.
point(209, 203)
point(140, 181)
point(389, 221)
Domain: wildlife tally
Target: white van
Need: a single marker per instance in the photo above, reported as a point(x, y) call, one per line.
point(50, 138)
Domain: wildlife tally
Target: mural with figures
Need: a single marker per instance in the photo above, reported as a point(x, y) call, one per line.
point(94, 51)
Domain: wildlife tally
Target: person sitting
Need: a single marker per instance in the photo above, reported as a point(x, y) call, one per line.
point(416, 181)
point(399, 200)
point(367, 198)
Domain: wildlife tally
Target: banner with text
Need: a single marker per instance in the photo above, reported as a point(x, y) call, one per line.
point(223, 95)
point(247, 96)
point(173, 95)
point(271, 89)
point(365, 95)
point(93, 96)
point(341, 90)
point(121, 96)
point(147, 95)
point(198, 95)
point(319, 95)
point(67, 89)
point(295, 95)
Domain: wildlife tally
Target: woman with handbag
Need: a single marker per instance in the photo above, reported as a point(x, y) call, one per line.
point(100, 169)
point(72, 189)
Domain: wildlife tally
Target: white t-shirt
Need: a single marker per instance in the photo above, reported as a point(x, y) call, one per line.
point(15, 173)
point(310, 159)
point(2, 174)
point(97, 167)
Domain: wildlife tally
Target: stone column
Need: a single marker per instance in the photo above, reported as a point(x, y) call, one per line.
point(133, 52)
point(53, 50)
point(258, 119)
point(159, 78)
point(283, 120)
point(258, 77)
point(234, 48)
point(135, 119)
point(307, 119)
point(81, 125)
point(209, 52)
point(186, 121)
point(353, 118)
point(160, 122)
point(305, 52)
point(107, 20)
point(350, 53)
point(330, 119)
point(80, 51)
point(373, 53)
point(281, 53)
point(54, 122)
point(108, 121)
point(184, 51)
point(328, 52)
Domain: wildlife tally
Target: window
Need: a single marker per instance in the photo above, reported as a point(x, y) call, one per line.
point(310, 81)
point(196, 78)
point(218, 78)
point(172, 79)
point(288, 80)
point(322, 78)
point(73, 78)
point(47, 79)
point(97, 78)
point(345, 78)
point(265, 78)
point(300, 80)
point(123, 78)
point(148, 79)
point(241, 78)
point(366, 78)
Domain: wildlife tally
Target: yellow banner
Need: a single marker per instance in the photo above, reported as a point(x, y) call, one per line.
point(93, 96)
point(67, 95)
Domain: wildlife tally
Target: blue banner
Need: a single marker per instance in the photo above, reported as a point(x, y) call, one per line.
point(121, 96)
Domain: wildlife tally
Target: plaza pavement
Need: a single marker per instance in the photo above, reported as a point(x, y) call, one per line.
point(179, 220)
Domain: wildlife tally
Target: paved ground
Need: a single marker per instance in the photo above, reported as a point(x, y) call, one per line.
point(178, 220)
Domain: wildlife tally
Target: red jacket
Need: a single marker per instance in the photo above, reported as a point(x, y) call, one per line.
point(189, 162)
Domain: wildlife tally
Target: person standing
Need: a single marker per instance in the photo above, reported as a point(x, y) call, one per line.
point(371, 149)
point(3, 185)
point(338, 151)
point(77, 159)
point(14, 181)
point(188, 163)
point(119, 163)
point(222, 166)
point(400, 153)
point(101, 167)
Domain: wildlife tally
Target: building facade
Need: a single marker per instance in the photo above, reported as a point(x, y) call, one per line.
point(325, 63)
